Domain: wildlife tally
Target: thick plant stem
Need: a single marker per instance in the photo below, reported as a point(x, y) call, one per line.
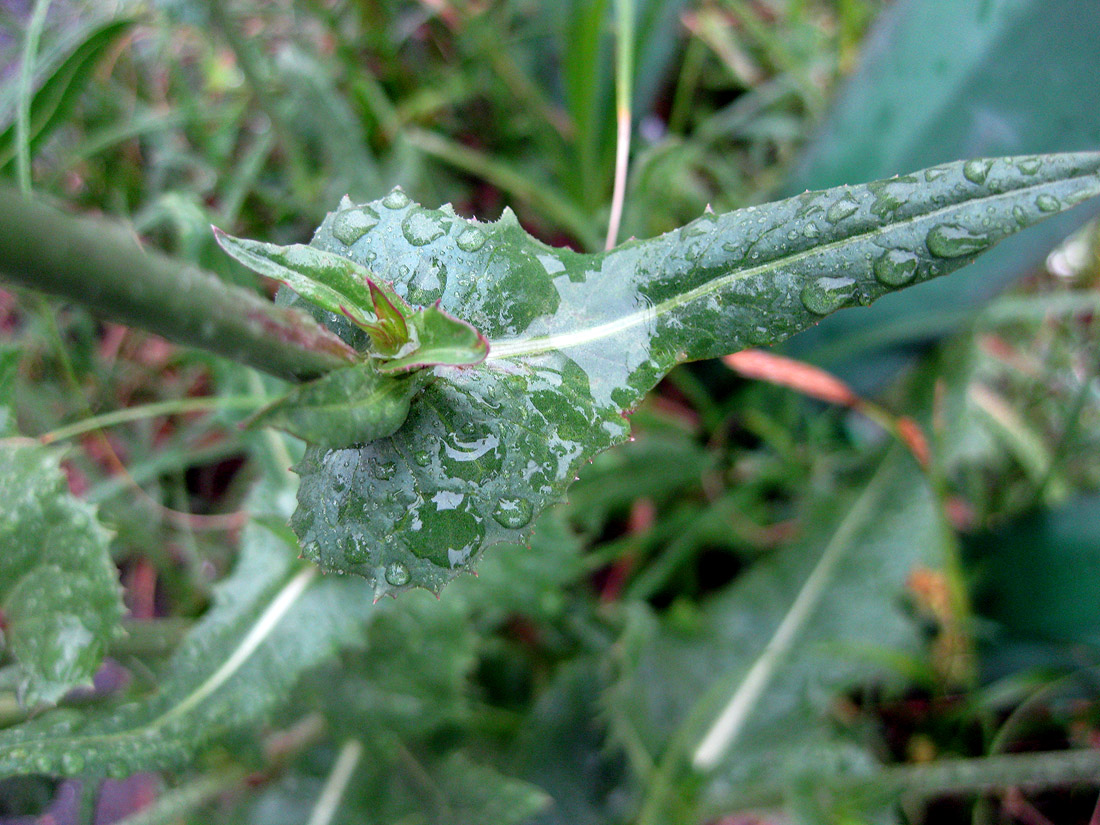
point(95, 265)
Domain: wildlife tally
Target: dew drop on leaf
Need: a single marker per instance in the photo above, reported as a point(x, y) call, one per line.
point(1047, 203)
point(423, 458)
point(896, 267)
point(976, 171)
point(352, 224)
point(356, 550)
point(513, 513)
point(471, 239)
point(72, 763)
point(397, 574)
point(420, 229)
point(949, 240)
point(841, 210)
point(396, 199)
point(827, 295)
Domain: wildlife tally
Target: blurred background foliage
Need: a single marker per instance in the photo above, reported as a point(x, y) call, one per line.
point(569, 682)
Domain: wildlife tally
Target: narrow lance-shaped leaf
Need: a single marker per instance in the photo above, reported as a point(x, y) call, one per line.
point(575, 340)
point(353, 405)
point(335, 283)
point(59, 594)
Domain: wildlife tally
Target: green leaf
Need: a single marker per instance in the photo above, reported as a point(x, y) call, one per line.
point(273, 619)
point(576, 340)
point(59, 593)
point(391, 331)
point(55, 98)
point(744, 686)
point(330, 281)
point(442, 340)
point(941, 81)
point(1039, 576)
point(348, 406)
point(9, 363)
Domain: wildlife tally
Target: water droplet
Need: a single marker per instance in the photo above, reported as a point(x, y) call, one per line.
point(422, 457)
point(841, 210)
point(896, 267)
point(949, 240)
point(1020, 215)
point(72, 763)
point(43, 764)
point(810, 230)
point(396, 199)
point(384, 470)
point(513, 513)
point(352, 224)
point(826, 295)
point(976, 171)
point(356, 550)
point(698, 227)
point(420, 228)
point(1029, 166)
point(312, 551)
point(397, 574)
point(1048, 203)
point(471, 239)
point(934, 173)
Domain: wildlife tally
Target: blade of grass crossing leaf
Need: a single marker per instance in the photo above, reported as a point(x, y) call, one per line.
point(624, 91)
point(328, 803)
point(23, 102)
point(723, 733)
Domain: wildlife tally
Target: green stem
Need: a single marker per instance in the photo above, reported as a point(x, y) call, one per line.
point(172, 407)
point(95, 265)
point(948, 776)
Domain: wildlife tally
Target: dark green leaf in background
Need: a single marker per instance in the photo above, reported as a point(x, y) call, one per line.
point(939, 81)
point(803, 624)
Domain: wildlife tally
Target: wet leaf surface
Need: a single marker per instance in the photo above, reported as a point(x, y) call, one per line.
point(576, 340)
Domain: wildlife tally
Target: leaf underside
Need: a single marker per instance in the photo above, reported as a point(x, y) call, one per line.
point(577, 340)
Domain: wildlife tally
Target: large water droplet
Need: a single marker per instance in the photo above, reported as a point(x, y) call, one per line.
point(396, 199)
point(356, 550)
point(513, 513)
point(827, 295)
point(422, 457)
point(1048, 203)
point(471, 239)
point(841, 210)
point(72, 763)
point(352, 224)
point(1029, 166)
point(384, 470)
point(896, 267)
point(976, 171)
point(949, 240)
point(397, 574)
point(420, 228)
